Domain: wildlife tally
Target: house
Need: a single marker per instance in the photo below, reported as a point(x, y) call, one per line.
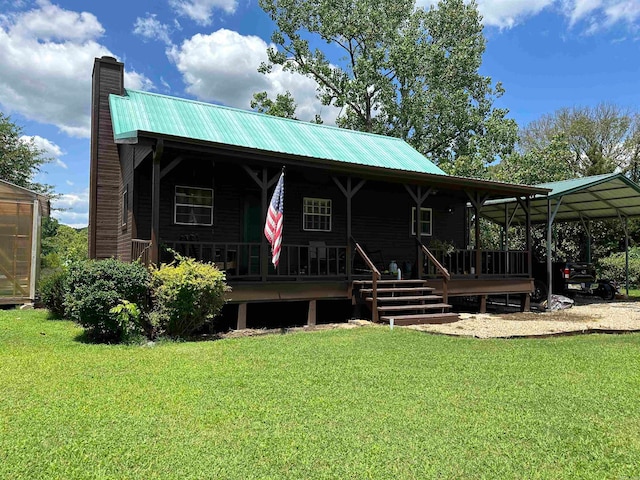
point(197, 177)
point(21, 212)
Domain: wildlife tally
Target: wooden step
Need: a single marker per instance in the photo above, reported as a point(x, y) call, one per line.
point(426, 298)
point(413, 306)
point(426, 318)
point(391, 282)
point(399, 290)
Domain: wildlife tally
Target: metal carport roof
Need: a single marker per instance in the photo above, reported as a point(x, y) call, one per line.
point(589, 198)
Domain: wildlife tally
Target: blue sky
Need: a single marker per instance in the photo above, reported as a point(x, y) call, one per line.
point(548, 54)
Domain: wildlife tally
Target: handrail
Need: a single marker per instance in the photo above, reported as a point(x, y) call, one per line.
point(375, 276)
point(446, 276)
point(445, 273)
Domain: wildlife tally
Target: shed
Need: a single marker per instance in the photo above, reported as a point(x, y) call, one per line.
point(21, 212)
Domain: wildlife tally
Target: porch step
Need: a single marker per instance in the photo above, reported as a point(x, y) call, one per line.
point(425, 306)
point(427, 318)
point(399, 290)
point(390, 282)
point(425, 298)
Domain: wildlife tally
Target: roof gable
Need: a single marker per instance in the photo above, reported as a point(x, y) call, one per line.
point(147, 112)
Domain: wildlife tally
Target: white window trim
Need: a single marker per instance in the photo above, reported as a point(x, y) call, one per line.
point(413, 221)
point(176, 205)
point(329, 204)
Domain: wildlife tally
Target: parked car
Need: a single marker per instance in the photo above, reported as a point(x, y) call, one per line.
point(570, 278)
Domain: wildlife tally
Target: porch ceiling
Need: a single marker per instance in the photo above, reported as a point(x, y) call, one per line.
point(589, 198)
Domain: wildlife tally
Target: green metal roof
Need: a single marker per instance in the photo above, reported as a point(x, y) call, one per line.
point(143, 112)
point(596, 197)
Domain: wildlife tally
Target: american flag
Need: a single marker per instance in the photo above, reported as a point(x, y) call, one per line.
point(273, 223)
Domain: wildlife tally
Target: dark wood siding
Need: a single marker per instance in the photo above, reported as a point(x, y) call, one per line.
point(381, 211)
point(382, 221)
point(125, 232)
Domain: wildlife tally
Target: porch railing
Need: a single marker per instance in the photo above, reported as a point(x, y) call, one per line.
point(442, 271)
point(242, 259)
point(495, 263)
point(141, 251)
point(375, 276)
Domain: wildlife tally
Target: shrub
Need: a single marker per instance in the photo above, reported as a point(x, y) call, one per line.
point(187, 295)
point(96, 287)
point(613, 267)
point(53, 287)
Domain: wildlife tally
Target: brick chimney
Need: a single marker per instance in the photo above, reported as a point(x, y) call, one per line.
point(105, 175)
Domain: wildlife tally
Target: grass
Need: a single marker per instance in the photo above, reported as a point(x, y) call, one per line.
point(634, 294)
point(364, 403)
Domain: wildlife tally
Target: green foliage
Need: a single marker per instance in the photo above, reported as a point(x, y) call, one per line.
point(613, 267)
point(187, 295)
point(53, 287)
point(406, 72)
point(20, 159)
point(601, 139)
point(539, 164)
point(62, 245)
point(128, 316)
point(96, 287)
point(283, 106)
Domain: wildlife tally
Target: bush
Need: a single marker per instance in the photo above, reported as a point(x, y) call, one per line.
point(186, 295)
point(53, 287)
point(96, 287)
point(613, 267)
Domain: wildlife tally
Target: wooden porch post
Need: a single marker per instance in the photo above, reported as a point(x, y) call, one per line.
point(528, 234)
point(155, 203)
point(477, 201)
point(264, 247)
point(311, 316)
point(349, 192)
point(264, 183)
point(419, 198)
point(242, 316)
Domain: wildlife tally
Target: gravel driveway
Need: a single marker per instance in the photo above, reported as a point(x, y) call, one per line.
point(590, 316)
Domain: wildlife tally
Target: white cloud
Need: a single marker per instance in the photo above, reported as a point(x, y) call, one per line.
point(45, 66)
point(74, 209)
point(597, 14)
point(223, 67)
point(151, 28)
point(201, 11)
point(50, 149)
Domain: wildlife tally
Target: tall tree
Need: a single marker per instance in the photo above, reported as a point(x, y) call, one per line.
point(20, 160)
point(602, 139)
point(406, 72)
point(539, 164)
point(284, 104)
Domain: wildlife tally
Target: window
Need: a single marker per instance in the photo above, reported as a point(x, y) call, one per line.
point(316, 214)
point(193, 206)
point(425, 221)
point(125, 206)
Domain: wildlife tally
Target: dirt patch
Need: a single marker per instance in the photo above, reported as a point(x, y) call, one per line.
point(618, 316)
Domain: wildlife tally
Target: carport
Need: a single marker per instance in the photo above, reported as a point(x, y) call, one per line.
point(584, 199)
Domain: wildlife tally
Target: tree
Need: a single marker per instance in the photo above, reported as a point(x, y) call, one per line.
point(540, 164)
point(283, 106)
point(20, 160)
point(601, 139)
point(405, 72)
point(61, 244)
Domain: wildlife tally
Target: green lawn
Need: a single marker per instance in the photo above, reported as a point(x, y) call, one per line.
point(364, 403)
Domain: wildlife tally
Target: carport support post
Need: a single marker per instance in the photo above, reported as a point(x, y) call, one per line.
point(626, 255)
point(549, 276)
